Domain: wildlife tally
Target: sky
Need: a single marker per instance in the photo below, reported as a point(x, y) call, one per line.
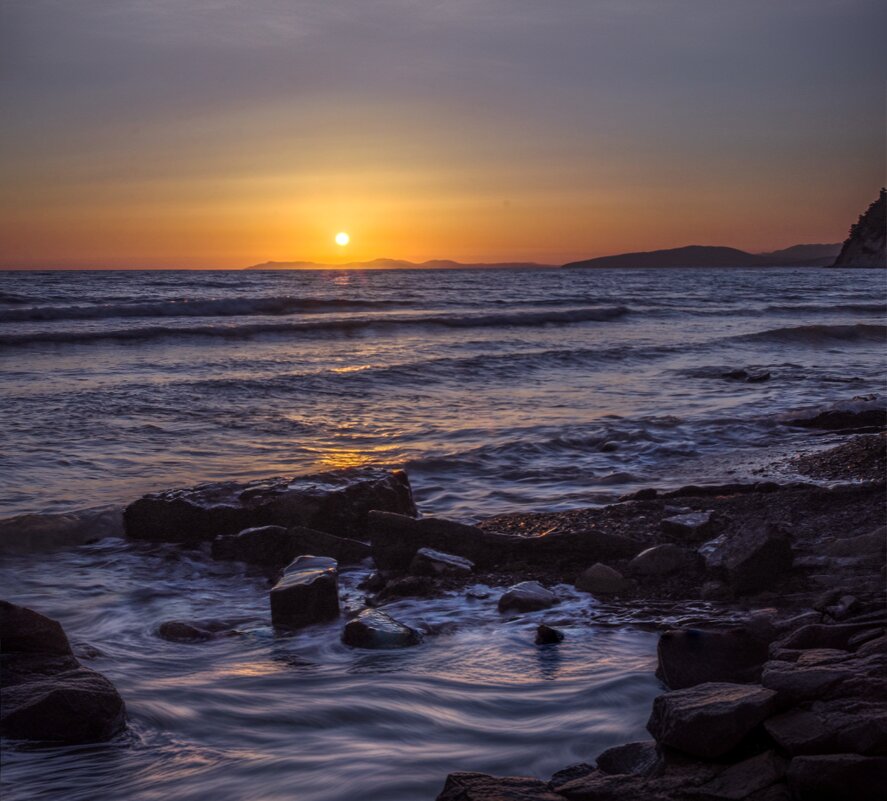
point(223, 133)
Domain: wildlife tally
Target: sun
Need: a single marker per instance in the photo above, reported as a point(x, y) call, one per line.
point(342, 238)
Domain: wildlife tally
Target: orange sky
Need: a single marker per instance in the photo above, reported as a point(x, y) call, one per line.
point(158, 135)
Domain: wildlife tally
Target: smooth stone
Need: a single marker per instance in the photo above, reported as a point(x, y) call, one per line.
point(373, 628)
point(660, 560)
point(639, 758)
point(428, 562)
point(601, 579)
point(180, 631)
point(528, 596)
point(546, 635)
point(308, 592)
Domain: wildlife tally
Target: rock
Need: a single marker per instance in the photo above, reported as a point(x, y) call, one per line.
point(846, 606)
point(864, 412)
point(600, 786)
point(660, 560)
point(693, 526)
point(750, 559)
point(715, 591)
point(406, 587)
point(640, 758)
point(570, 773)
point(307, 593)
point(45, 693)
point(336, 502)
point(180, 631)
point(873, 542)
point(749, 376)
point(709, 720)
point(481, 787)
point(600, 579)
point(833, 726)
point(688, 657)
point(275, 546)
point(742, 779)
point(528, 596)
point(373, 628)
point(546, 635)
point(837, 776)
point(428, 562)
point(817, 636)
point(796, 683)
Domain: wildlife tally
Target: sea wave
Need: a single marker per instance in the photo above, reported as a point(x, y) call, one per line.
point(819, 334)
point(496, 320)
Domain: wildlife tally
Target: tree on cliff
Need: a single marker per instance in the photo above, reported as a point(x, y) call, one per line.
point(866, 245)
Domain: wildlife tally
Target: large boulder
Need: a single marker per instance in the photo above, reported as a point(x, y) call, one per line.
point(428, 562)
point(308, 592)
point(336, 502)
point(838, 776)
point(639, 758)
point(45, 694)
point(481, 787)
point(837, 726)
point(750, 559)
point(527, 596)
point(709, 720)
point(275, 546)
point(601, 579)
point(689, 526)
point(688, 657)
point(373, 628)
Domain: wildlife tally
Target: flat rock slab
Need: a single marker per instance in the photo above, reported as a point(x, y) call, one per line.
point(481, 787)
point(308, 592)
point(689, 526)
point(336, 502)
point(275, 546)
point(528, 596)
point(373, 628)
point(711, 719)
point(428, 562)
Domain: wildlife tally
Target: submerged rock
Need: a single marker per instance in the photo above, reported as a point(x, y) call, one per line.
point(336, 502)
point(600, 579)
point(546, 635)
point(373, 628)
point(709, 720)
point(428, 562)
point(528, 596)
point(181, 631)
point(46, 693)
point(307, 593)
point(275, 546)
point(688, 657)
point(750, 560)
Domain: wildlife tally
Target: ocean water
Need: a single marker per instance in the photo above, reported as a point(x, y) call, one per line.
point(497, 391)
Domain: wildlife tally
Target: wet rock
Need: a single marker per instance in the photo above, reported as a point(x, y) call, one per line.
point(692, 526)
point(528, 596)
point(569, 774)
point(751, 559)
point(837, 776)
point(817, 636)
point(374, 582)
point(428, 562)
point(660, 560)
point(749, 376)
point(744, 778)
point(481, 787)
point(45, 693)
point(336, 502)
point(866, 412)
point(373, 628)
point(406, 587)
point(600, 579)
point(307, 593)
point(546, 635)
point(846, 606)
point(181, 631)
point(688, 657)
point(709, 720)
point(640, 758)
point(275, 546)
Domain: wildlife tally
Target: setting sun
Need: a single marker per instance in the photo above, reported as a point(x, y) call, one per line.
point(342, 238)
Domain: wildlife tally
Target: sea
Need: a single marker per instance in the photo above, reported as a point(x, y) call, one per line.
point(496, 390)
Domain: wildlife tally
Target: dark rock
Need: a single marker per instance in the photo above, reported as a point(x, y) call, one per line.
point(837, 776)
point(45, 694)
point(742, 779)
point(751, 559)
point(181, 631)
point(428, 562)
point(569, 774)
point(406, 587)
point(374, 582)
point(867, 412)
point(600, 579)
point(690, 526)
point(646, 494)
point(546, 635)
point(821, 636)
point(749, 376)
point(373, 628)
point(715, 591)
point(275, 546)
point(307, 593)
point(640, 758)
point(336, 502)
point(660, 560)
point(481, 787)
point(528, 596)
point(600, 786)
point(688, 657)
point(833, 726)
point(709, 720)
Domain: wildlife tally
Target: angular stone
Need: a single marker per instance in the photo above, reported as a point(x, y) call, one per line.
point(428, 562)
point(834, 726)
point(838, 776)
point(796, 683)
point(336, 502)
point(373, 628)
point(23, 630)
point(640, 758)
point(688, 657)
point(528, 596)
point(742, 779)
point(601, 579)
point(693, 526)
point(569, 774)
point(709, 720)
point(481, 787)
point(308, 592)
point(873, 542)
point(275, 546)
point(751, 559)
point(660, 560)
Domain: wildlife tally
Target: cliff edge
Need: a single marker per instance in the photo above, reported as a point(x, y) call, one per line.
point(866, 246)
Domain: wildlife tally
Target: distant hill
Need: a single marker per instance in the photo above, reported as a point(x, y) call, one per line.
point(396, 264)
point(714, 256)
point(866, 246)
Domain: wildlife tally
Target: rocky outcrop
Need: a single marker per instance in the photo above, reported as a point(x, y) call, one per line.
point(866, 245)
point(373, 628)
point(307, 593)
point(337, 502)
point(276, 546)
point(46, 693)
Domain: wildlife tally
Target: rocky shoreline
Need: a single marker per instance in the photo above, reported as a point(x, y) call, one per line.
point(788, 702)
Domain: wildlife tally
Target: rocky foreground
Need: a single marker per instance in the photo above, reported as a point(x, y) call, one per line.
point(792, 703)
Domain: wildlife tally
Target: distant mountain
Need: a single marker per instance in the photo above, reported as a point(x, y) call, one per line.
point(866, 246)
point(396, 264)
point(714, 256)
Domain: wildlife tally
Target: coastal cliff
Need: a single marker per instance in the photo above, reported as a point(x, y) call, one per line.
point(866, 246)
